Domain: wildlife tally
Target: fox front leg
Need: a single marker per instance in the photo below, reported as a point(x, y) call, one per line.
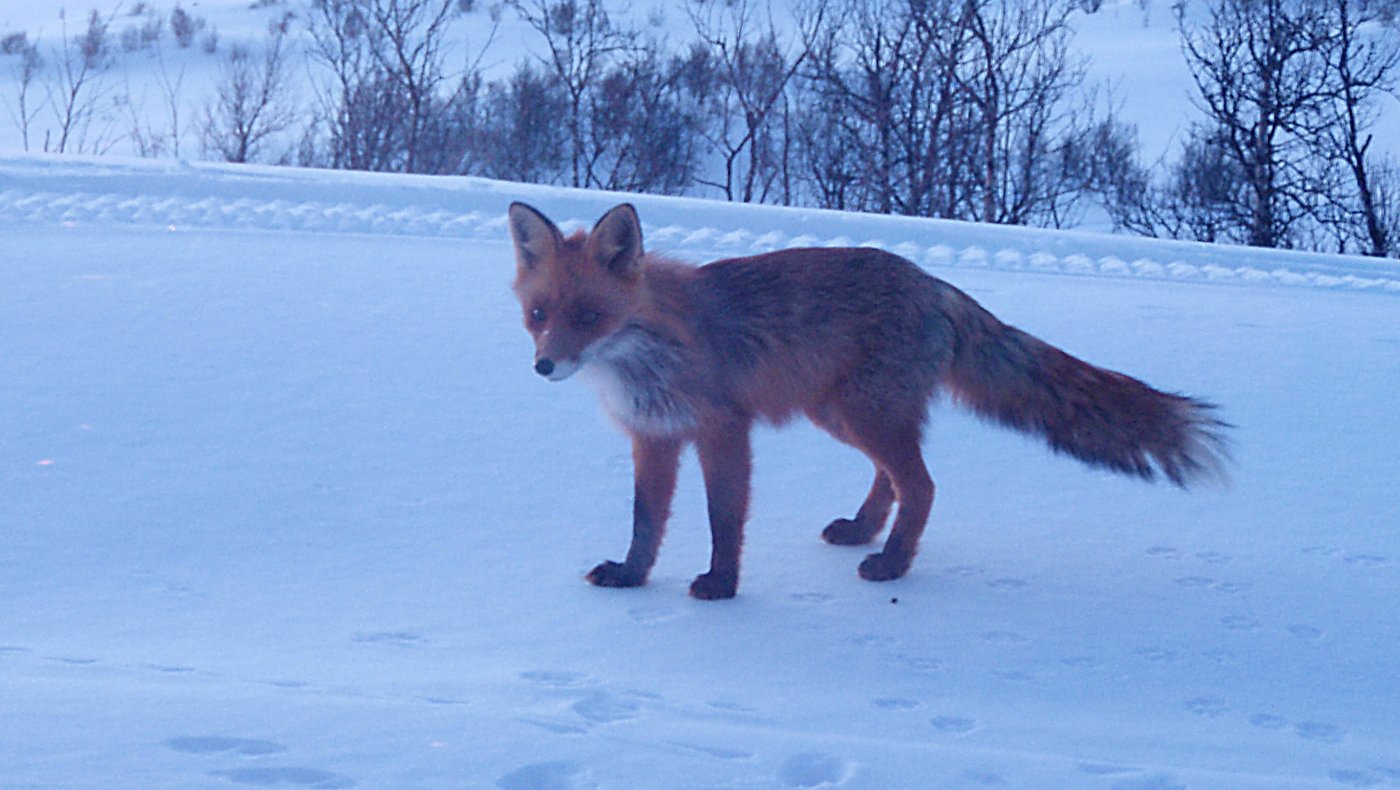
point(655, 461)
point(725, 460)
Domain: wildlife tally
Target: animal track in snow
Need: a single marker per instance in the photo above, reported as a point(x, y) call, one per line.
point(1004, 638)
point(1158, 655)
point(649, 615)
point(291, 776)
point(406, 639)
point(551, 775)
point(811, 769)
point(555, 678)
point(1241, 622)
point(1304, 631)
point(221, 745)
point(953, 725)
point(602, 708)
point(1321, 732)
point(1268, 721)
point(1209, 707)
point(717, 752)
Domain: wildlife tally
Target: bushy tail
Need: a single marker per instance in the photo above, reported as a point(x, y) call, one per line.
point(1102, 417)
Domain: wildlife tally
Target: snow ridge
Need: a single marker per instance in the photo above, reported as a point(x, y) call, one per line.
point(222, 204)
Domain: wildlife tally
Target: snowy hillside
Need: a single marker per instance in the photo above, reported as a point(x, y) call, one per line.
point(285, 506)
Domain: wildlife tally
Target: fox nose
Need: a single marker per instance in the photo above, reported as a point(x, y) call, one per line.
point(544, 367)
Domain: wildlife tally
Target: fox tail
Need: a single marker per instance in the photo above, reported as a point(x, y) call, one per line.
point(1102, 417)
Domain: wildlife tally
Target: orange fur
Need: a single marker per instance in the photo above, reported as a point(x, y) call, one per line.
point(858, 340)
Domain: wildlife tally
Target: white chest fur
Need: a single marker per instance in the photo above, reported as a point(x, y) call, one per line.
point(636, 376)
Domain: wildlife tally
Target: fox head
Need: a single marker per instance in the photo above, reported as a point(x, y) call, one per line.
point(577, 291)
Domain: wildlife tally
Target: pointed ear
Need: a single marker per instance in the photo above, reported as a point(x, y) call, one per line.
point(616, 241)
point(535, 237)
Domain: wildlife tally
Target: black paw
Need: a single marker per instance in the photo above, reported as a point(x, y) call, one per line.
point(884, 567)
point(714, 587)
point(616, 574)
point(848, 532)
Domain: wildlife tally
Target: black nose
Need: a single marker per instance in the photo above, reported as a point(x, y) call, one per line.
point(544, 367)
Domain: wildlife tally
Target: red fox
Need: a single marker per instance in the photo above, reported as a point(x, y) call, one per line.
point(859, 340)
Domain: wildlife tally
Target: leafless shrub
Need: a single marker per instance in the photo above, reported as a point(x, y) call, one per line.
point(252, 104)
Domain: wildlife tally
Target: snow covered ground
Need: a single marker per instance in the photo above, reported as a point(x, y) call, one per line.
point(283, 505)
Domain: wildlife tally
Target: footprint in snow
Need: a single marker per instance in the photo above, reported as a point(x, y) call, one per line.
point(986, 778)
point(555, 678)
point(1105, 769)
point(953, 725)
point(1164, 552)
point(1004, 638)
point(251, 747)
point(391, 638)
point(894, 703)
point(1240, 622)
point(922, 664)
point(285, 777)
point(606, 709)
point(1358, 777)
point(1157, 781)
point(1303, 631)
point(1209, 707)
point(1267, 721)
point(810, 769)
point(1158, 655)
point(552, 775)
point(1366, 560)
point(1321, 732)
point(717, 752)
point(646, 615)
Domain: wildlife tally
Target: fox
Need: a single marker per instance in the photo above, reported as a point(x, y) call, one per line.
point(858, 340)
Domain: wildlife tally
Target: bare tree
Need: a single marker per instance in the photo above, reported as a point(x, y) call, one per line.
point(519, 139)
point(411, 37)
point(77, 87)
point(385, 97)
point(953, 108)
point(1262, 85)
point(581, 43)
point(643, 133)
point(252, 103)
point(27, 69)
point(741, 74)
point(359, 116)
point(1361, 58)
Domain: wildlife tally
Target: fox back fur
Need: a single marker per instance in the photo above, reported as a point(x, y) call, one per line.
point(858, 340)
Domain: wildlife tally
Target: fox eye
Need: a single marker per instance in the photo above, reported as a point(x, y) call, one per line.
point(588, 317)
point(537, 315)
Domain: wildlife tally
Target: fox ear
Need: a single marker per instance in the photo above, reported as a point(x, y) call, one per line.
point(535, 237)
point(616, 241)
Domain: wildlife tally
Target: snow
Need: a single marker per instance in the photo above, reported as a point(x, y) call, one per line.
point(285, 506)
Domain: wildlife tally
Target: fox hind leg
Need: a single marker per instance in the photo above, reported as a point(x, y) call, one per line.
point(894, 447)
point(914, 490)
point(869, 520)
